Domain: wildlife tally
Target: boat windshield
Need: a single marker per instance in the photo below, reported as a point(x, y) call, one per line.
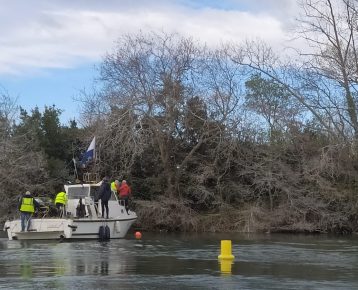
point(82, 192)
point(94, 192)
point(77, 192)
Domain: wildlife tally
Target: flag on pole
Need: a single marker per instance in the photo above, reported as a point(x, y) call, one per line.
point(90, 153)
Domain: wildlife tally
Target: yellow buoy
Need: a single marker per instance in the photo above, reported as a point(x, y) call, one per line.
point(226, 253)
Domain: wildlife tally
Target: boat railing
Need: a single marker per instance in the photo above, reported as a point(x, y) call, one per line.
point(121, 202)
point(90, 177)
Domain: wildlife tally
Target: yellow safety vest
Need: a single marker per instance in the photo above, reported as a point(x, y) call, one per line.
point(113, 186)
point(27, 204)
point(61, 197)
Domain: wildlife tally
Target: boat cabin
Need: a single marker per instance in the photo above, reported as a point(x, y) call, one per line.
point(82, 202)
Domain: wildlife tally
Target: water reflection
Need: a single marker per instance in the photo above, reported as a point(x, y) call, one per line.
point(225, 267)
point(182, 261)
point(26, 270)
point(94, 258)
point(34, 259)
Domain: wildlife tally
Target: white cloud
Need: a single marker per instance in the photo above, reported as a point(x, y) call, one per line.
point(58, 34)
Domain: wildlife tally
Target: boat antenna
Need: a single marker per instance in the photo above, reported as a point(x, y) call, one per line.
point(74, 162)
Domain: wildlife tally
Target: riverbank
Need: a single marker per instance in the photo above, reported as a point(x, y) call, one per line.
point(174, 215)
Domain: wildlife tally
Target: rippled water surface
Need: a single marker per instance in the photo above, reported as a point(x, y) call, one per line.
point(171, 261)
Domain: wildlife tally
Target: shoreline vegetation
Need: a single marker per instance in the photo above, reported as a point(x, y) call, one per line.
point(233, 138)
point(174, 216)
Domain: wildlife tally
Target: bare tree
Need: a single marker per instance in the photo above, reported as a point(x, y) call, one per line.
point(166, 90)
point(330, 27)
point(8, 111)
point(271, 101)
point(299, 85)
point(324, 78)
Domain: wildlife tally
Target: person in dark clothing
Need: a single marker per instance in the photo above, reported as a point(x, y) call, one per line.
point(80, 209)
point(104, 195)
point(27, 207)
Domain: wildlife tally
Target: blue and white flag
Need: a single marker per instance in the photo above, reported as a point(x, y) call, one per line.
point(90, 153)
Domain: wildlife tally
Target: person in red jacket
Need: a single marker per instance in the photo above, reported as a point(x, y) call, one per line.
point(124, 193)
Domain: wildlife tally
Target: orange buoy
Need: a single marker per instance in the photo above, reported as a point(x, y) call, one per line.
point(138, 235)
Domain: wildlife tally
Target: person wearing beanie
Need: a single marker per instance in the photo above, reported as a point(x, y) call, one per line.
point(27, 206)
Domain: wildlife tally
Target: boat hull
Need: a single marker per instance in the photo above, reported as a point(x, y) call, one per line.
point(41, 229)
point(89, 229)
point(60, 229)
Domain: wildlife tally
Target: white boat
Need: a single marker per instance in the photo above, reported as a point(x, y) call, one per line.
point(91, 225)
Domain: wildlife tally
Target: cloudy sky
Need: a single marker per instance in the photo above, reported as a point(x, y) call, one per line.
point(49, 50)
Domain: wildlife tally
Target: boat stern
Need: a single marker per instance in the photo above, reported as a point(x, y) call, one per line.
point(41, 229)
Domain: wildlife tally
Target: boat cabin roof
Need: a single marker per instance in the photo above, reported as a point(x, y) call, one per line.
point(76, 191)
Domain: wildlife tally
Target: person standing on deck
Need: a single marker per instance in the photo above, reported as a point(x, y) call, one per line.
point(115, 186)
point(27, 206)
point(60, 202)
point(124, 193)
point(104, 195)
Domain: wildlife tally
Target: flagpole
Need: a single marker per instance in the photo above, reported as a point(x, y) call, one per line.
point(74, 164)
point(95, 166)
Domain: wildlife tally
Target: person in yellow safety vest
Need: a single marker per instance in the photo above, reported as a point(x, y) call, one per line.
point(27, 206)
point(60, 202)
point(115, 186)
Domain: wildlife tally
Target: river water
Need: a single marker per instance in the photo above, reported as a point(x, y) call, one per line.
point(185, 261)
